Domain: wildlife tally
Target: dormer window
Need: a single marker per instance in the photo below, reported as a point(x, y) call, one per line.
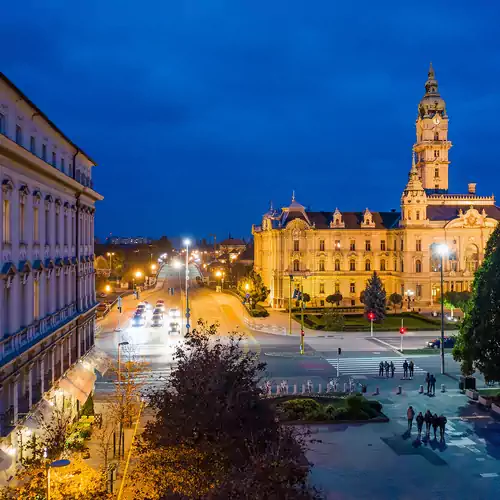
point(367, 219)
point(337, 219)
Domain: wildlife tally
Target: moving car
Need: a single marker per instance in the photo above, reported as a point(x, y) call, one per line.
point(449, 342)
point(157, 320)
point(160, 306)
point(174, 312)
point(174, 327)
point(138, 319)
point(158, 311)
point(160, 301)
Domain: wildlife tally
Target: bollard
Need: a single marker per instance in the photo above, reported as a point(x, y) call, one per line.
point(377, 391)
point(421, 389)
point(319, 389)
point(295, 388)
point(345, 386)
point(303, 388)
point(399, 390)
point(443, 388)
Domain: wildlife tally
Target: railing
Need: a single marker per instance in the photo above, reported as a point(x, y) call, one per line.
point(264, 328)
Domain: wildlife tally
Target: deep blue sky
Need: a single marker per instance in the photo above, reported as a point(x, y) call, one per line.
point(199, 112)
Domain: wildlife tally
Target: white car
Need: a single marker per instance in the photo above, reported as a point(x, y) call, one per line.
point(157, 320)
point(174, 312)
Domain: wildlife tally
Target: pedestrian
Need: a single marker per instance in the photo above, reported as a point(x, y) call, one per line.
point(435, 423)
point(381, 369)
point(405, 369)
point(433, 384)
point(420, 423)
point(386, 369)
point(442, 426)
point(428, 422)
point(428, 382)
point(393, 369)
point(410, 414)
point(411, 366)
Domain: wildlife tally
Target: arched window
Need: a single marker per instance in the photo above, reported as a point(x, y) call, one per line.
point(337, 265)
point(418, 266)
point(368, 265)
point(418, 215)
point(382, 265)
point(471, 258)
point(296, 265)
point(402, 266)
point(321, 265)
point(352, 265)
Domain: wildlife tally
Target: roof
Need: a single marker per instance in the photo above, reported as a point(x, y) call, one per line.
point(247, 254)
point(450, 212)
point(44, 116)
point(352, 220)
point(232, 241)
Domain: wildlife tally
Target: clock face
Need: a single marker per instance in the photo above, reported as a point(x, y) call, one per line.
point(437, 120)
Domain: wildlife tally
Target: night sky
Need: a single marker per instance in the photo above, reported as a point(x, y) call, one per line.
point(200, 112)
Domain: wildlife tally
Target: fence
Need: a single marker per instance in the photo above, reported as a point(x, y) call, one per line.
point(264, 328)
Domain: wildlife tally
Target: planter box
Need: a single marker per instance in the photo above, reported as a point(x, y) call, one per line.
point(495, 409)
point(472, 394)
point(486, 402)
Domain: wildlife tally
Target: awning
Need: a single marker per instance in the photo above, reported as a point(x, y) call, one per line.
point(98, 360)
point(5, 460)
point(78, 382)
point(42, 413)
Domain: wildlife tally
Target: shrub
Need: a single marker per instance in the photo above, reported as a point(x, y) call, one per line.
point(376, 405)
point(259, 313)
point(342, 414)
point(301, 408)
point(355, 403)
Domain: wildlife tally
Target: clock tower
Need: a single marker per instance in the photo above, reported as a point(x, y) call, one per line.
point(432, 144)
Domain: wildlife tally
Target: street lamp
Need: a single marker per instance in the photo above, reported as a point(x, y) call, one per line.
point(409, 295)
point(53, 465)
point(187, 243)
point(110, 255)
point(153, 267)
point(107, 288)
point(443, 251)
point(138, 274)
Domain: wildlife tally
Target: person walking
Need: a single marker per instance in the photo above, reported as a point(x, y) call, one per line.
point(411, 366)
point(410, 414)
point(420, 423)
point(435, 424)
point(387, 369)
point(442, 426)
point(433, 384)
point(393, 369)
point(381, 369)
point(428, 422)
point(405, 369)
point(428, 382)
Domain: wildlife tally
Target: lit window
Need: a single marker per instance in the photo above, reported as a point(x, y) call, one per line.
point(418, 266)
point(337, 265)
point(368, 265)
point(35, 224)
point(6, 220)
point(352, 245)
point(337, 244)
point(418, 245)
point(382, 245)
point(382, 265)
point(321, 288)
point(352, 287)
point(19, 135)
point(352, 265)
point(296, 265)
point(321, 245)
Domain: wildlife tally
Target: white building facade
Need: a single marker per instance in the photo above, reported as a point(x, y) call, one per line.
point(47, 292)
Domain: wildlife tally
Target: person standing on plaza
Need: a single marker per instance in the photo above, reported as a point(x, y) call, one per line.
point(411, 366)
point(420, 423)
point(387, 366)
point(433, 385)
point(435, 424)
point(410, 414)
point(428, 422)
point(381, 369)
point(393, 369)
point(442, 426)
point(428, 382)
point(405, 369)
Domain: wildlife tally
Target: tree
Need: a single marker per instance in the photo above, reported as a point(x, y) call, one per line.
point(212, 404)
point(396, 300)
point(334, 321)
point(453, 300)
point(478, 343)
point(336, 298)
point(374, 298)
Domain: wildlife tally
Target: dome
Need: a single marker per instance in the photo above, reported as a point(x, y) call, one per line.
point(432, 102)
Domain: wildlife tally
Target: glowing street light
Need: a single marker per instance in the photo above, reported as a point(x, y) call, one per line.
point(138, 274)
point(153, 267)
point(247, 287)
point(107, 288)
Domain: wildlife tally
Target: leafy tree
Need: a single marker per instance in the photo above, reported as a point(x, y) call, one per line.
point(334, 321)
point(396, 300)
point(336, 298)
point(257, 290)
point(374, 298)
point(453, 300)
point(212, 404)
point(362, 297)
point(478, 343)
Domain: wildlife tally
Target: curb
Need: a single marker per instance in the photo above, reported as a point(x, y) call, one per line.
point(377, 420)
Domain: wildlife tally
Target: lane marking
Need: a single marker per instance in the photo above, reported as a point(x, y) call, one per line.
point(489, 474)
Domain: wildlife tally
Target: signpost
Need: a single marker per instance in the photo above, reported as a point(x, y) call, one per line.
point(339, 352)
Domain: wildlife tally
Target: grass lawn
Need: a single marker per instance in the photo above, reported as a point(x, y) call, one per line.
point(392, 322)
point(425, 351)
point(490, 392)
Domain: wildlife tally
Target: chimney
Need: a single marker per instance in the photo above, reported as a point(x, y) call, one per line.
point(472, 187)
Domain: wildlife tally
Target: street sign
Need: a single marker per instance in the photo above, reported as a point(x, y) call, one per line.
point(188, 325)
point(247, 295)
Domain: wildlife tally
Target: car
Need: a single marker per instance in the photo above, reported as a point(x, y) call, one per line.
point(174, 327)
point(102, 295)
point(161, 307)
point(160, 301)
point(449, 342)
point(138, 320)
point(157, 320)
point(174, 312)
point(157, 310)
point(148, 305)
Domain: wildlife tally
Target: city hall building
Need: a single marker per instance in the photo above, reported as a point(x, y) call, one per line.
point(47, 292)
point(336, 252)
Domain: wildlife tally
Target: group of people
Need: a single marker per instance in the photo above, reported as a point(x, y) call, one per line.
point(385, 367)
point(430, 380)
point(437, 422)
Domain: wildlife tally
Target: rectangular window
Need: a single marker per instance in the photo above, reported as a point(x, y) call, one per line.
point(53, 158)
point(418, 245)
point(418, 291)
point(352, 287)
point(402, 290)
point(36, 234)
point(321, 245)
point(368, 245)
point(44, 152)
point(337, 244)
point(337, 287)
point(395, 245)
point(47, 228)
point(321, 288)
point(352, 245)
point(436, 173)
point(418, 215)
point(33, 145)
point(322, 303)
point(382, 245)
point(295, 245)
point(321, 265)
point(2, 124)
point(402, 266)
point(382, 265)
point(353, 302)
point(21, 222)
point(6, 221)
point(436, 153)
point(66, 229)
point(352, 265)
point(36, 299)
point(402, 244)
point(63, 167)
point(19, 135)
point(56, 222)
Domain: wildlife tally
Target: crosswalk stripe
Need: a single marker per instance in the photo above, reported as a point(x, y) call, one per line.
point(352, 366)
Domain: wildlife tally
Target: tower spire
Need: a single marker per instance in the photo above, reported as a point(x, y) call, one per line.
point(293, 195)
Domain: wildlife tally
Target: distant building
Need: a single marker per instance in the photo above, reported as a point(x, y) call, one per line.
point(232, 245)
point(247, 256)
point(47, 291)
point(131, 240)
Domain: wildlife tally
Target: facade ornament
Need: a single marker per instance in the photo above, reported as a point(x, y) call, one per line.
point(23, 193)
point(337, 219)
point(37, 198)
point(367, 219)
point(7, 186)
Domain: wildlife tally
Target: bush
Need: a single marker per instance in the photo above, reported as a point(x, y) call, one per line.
point(374, 404)
point(301, 408)
point(88, 407)
point(342, 414)
point(259, 313)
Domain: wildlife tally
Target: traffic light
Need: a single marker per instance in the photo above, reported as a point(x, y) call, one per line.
point(302, 333)
point(339, 351)
point(403, 330)
point(371, 316)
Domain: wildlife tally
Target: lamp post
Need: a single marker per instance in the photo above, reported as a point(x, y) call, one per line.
point(120, 433)
point(290, 306)
point(443, 251)
point(409, 295)
point(110, 255)
point(176, 264)
point(187, 243)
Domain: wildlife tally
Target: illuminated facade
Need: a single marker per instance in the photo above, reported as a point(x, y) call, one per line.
point(336, 252)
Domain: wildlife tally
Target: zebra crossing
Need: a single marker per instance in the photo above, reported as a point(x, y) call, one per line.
point(145, 380)
point(369, 366)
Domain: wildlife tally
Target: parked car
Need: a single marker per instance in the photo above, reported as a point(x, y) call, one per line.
point(449, 342)
point(138, 319)
point(174, 312)
point(157, 320)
